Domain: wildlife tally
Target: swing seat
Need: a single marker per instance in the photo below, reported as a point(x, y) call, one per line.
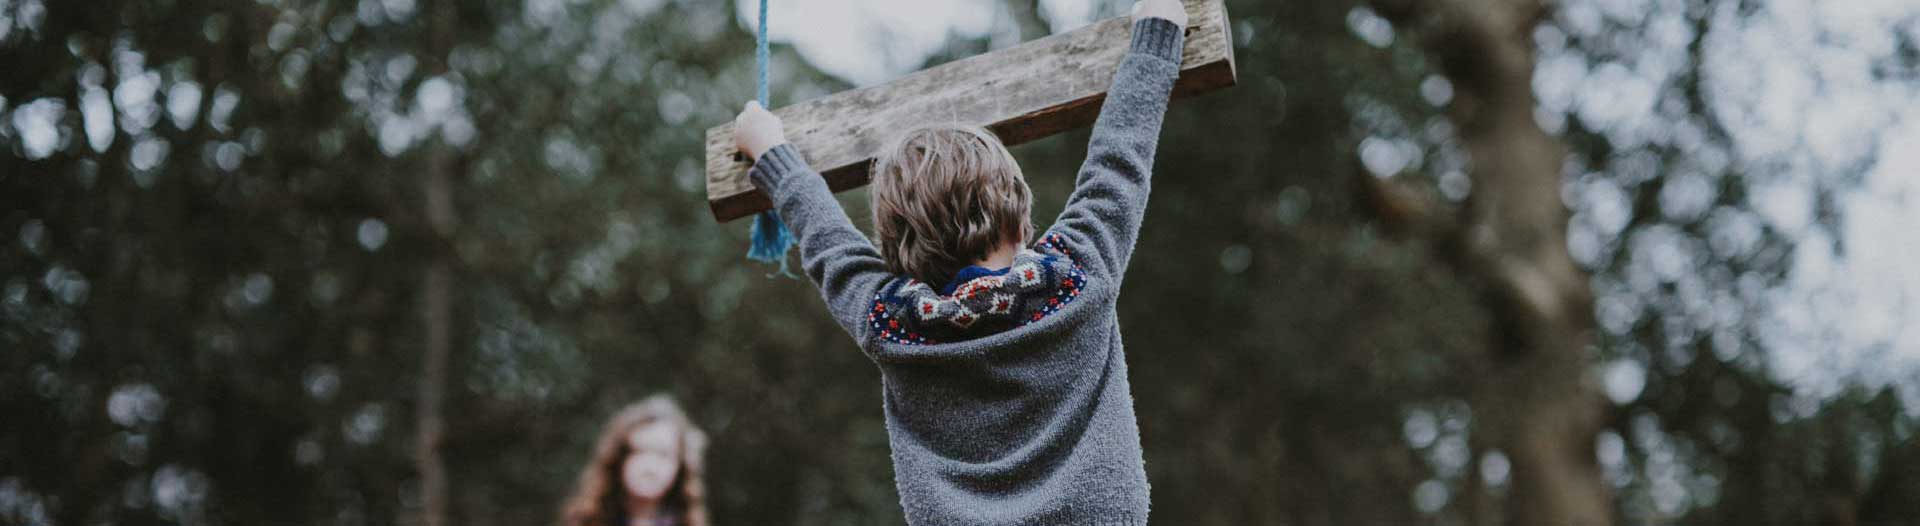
point(1023, 93)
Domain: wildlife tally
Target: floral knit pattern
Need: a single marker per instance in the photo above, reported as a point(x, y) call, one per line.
point(1040, 283)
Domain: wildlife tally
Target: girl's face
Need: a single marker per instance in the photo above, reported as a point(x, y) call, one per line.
point(653, 460)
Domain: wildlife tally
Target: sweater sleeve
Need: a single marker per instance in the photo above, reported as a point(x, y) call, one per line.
point(1109, 199)
point(835, 255)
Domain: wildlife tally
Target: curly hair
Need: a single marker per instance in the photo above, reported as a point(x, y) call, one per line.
point(597, 499)
point(945, 196)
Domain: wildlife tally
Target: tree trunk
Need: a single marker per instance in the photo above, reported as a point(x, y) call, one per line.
point(1510, 240)
point(1026, 15)
point(436, 297)
point(437, 313)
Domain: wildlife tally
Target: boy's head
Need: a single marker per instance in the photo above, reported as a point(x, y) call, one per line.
point(945, 197)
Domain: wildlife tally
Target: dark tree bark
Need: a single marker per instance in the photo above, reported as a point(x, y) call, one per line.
point(1510, 239)
point(436, 300)
point(1026, 13)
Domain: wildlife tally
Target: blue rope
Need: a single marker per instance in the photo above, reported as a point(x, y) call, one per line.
point(761, 55)
point(771, 239)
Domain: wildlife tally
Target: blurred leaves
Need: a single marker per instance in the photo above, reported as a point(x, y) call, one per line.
point(213, 243)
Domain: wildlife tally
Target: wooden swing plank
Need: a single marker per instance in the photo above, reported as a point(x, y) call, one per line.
point(1022, 93)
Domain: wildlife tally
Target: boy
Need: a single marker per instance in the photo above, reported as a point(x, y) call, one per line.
point(1004, 381)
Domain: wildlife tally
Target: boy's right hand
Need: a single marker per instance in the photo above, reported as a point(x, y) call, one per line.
point(1170, 10)
point(757, 130)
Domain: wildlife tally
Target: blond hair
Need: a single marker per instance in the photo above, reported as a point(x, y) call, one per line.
point(945, 197)
point(597, 498)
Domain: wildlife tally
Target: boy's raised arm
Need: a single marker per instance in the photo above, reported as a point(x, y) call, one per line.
point(834, 254)
point(1110, 196)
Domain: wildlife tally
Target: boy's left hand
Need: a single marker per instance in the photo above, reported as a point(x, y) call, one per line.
point(757, 130)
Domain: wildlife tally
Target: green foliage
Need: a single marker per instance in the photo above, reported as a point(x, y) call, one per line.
point(210, 306)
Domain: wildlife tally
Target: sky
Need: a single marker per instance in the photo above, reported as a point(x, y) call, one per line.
point(872, 41)
point(1795, 82)
point(1820, 111)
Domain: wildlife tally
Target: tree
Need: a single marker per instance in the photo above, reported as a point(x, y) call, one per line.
point(1510, 239)
point(238, 235)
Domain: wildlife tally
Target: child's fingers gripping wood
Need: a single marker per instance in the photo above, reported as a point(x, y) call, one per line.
point(1169, 10)
point(757, 130)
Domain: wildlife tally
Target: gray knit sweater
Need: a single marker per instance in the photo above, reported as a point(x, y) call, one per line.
point(1007, 400)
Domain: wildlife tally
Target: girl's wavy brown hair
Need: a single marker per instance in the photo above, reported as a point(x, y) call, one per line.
point(596, 500)
point(945, 197)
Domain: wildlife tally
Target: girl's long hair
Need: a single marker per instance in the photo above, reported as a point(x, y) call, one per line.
point(598, 498)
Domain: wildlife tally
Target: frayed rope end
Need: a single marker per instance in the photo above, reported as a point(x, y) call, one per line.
point(771, 241)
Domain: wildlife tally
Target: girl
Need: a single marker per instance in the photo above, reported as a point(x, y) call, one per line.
point(645, 471)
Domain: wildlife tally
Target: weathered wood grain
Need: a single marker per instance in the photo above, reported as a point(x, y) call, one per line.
point(1022, 93)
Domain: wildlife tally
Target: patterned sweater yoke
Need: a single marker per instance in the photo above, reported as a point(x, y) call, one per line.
point(1040, 282)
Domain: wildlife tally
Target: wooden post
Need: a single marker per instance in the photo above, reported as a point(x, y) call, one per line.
point(1022, 93)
